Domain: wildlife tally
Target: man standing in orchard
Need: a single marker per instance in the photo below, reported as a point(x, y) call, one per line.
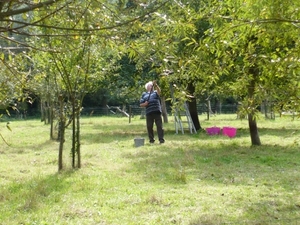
point(151, 101)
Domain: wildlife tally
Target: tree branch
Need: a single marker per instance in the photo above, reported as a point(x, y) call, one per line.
point(88, 30)
point(25, 45)
point(270, 20)
point(28, 8)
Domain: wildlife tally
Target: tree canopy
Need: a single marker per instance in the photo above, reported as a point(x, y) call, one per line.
point(245, 49)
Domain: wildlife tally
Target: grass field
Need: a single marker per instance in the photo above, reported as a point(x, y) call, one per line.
point(192, 179)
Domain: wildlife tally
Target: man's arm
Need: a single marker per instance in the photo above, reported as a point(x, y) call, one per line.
point(144, 104)
point(157, 88)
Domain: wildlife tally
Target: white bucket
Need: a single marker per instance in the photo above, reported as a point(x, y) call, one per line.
point(139, 142)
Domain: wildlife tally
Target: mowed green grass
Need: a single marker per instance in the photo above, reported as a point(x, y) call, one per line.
point(192, 179)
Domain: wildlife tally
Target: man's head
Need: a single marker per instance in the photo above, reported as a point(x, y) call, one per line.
point(149, 85)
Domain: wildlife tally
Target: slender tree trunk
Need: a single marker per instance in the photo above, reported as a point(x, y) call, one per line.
point(255, 140)
point(62, 134)
point(73, 150)
point(51, 121)
point(164, 109)
point(49, 111)
point(265, 108)
point(208, 108)
point(194, 114)
point(42, 112)
point(193, 107)
point(78, 143)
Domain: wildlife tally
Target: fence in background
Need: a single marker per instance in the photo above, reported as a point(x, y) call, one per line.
point(134, 110)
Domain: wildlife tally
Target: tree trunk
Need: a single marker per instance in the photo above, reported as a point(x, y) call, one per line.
point(62, 134)
point(208, 108)
point(51, 121)
point(255, 140)
point(42, 112)
point(164, 109)
point(194, 114)
point(78, 144)
point(73, 150)
point(49, 112)
point(193, 107)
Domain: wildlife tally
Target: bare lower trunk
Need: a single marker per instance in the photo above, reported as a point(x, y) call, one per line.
point(255, 140)
point(193, 107)
point(42, 112)
point(78, 144)
point(62, 134)
point(194, 114)
point(73, 151)
point(209, 111)
point(254, 72)
point(51, 121)
point(164, 109)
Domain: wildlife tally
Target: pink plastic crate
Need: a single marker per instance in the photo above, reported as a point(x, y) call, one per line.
point(229, 131)
point(213, 130)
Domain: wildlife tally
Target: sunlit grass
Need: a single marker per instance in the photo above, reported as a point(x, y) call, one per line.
point(191, 179)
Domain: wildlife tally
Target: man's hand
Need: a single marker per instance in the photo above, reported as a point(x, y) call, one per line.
point(156, 87)
point(144, 104)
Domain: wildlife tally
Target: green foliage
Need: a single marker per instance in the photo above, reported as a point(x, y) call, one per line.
point(255, 34)
point(242, 49)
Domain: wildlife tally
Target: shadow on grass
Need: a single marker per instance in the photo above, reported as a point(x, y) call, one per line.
point(213, 160)
point(106, 133)
point(31, 194)
point(110, 133)
point(32, 146)
point(224, 166)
